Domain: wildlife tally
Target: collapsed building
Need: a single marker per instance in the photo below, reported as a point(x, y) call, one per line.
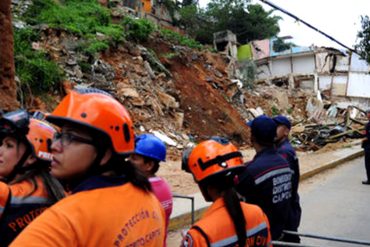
point(337, 81)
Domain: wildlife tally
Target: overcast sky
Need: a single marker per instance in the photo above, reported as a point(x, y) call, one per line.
point(339, 19)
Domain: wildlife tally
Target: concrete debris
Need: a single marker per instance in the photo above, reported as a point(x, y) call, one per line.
point(167, 100)
point(128, 92)
point(153, 60)
point(315, 109)
point(149, 70)
point(348, 123)
point(256, 112)
point(164, 138)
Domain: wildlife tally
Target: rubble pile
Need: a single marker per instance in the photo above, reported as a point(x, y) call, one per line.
point(339, 125)
point(179, 94)
point(316, 122)
point(184, 95)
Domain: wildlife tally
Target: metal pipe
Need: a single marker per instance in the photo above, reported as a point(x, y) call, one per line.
point(280, 243)
point(344, 240)
point(191, 198)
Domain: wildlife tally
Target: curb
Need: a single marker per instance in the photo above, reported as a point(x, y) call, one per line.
point(330, 165)
point(185, 219)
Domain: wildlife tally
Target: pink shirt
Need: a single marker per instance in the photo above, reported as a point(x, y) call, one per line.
point(163, 192)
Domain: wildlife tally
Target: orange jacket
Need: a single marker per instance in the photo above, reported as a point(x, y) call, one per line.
point(218, 227)
point(111, 216)
point(18, 207)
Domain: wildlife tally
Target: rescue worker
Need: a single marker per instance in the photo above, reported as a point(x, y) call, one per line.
point(267, 179)
point(286, 150)
point(149, 152)
point(110, 202)
point(366, 147)
point(27, 188)
point(214, 165)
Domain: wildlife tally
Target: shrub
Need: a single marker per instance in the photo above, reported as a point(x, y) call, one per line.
point(138, 29)
point(94, 46)
point(79, 17)
point(85, 18)
point(34, 68)
point(275, 111)
point(180, 39)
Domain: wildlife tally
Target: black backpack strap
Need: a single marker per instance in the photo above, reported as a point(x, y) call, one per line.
point(197, 228)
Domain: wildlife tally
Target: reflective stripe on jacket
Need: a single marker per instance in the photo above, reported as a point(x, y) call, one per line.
point(267, 182)
point(216, 228)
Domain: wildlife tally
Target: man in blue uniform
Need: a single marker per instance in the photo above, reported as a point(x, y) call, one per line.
point(286, 150)
point(366, 147)
point(266, 180)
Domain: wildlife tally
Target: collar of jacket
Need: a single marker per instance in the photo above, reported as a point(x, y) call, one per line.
point(265, 151)
point(98, 182)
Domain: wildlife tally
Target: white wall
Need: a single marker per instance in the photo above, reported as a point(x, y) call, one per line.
point(339, 85)
point(358, 64)
point(358, 85)
point(324, 82)
point(304, 65)
point(281, 67)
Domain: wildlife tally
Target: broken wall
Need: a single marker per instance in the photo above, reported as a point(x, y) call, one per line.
point(327, 69)
point(359, 78)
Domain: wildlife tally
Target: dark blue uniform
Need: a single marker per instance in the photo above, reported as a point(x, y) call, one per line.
point(286, 150)
point(266, 182)
point(366, 146)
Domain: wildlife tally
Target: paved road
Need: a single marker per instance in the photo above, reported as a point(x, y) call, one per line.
point(335, 203)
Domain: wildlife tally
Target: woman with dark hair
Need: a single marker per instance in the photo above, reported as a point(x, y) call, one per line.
point(110, 202)
point(27, 188)
point(214, 165)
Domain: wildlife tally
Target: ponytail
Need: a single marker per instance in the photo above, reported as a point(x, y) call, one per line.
point(225, 186)
point(234, 209)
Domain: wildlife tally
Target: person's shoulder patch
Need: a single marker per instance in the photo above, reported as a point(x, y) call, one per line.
point(188, 241)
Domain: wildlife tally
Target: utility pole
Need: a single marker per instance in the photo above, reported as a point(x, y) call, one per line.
point(8, 87)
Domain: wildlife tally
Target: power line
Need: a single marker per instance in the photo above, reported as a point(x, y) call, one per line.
point(307, 24)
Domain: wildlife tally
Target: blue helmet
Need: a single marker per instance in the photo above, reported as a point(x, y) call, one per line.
point(150, 146)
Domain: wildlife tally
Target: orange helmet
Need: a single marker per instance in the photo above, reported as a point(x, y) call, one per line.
point(39, 136)
point(212, 157)
point(99, 111)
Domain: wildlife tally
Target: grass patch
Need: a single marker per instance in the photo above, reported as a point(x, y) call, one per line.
point(85, 18)
point(170, 55)
point(34, 68)
point(138, 29)
point(180, 39)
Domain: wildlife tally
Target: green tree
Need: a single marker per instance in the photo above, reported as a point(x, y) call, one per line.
point(247, 21)
point(363, 46)
point(280, 45)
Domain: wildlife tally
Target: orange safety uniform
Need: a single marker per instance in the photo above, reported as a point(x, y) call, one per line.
point(19, 207)
point(216, 227)
point(103, 213)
